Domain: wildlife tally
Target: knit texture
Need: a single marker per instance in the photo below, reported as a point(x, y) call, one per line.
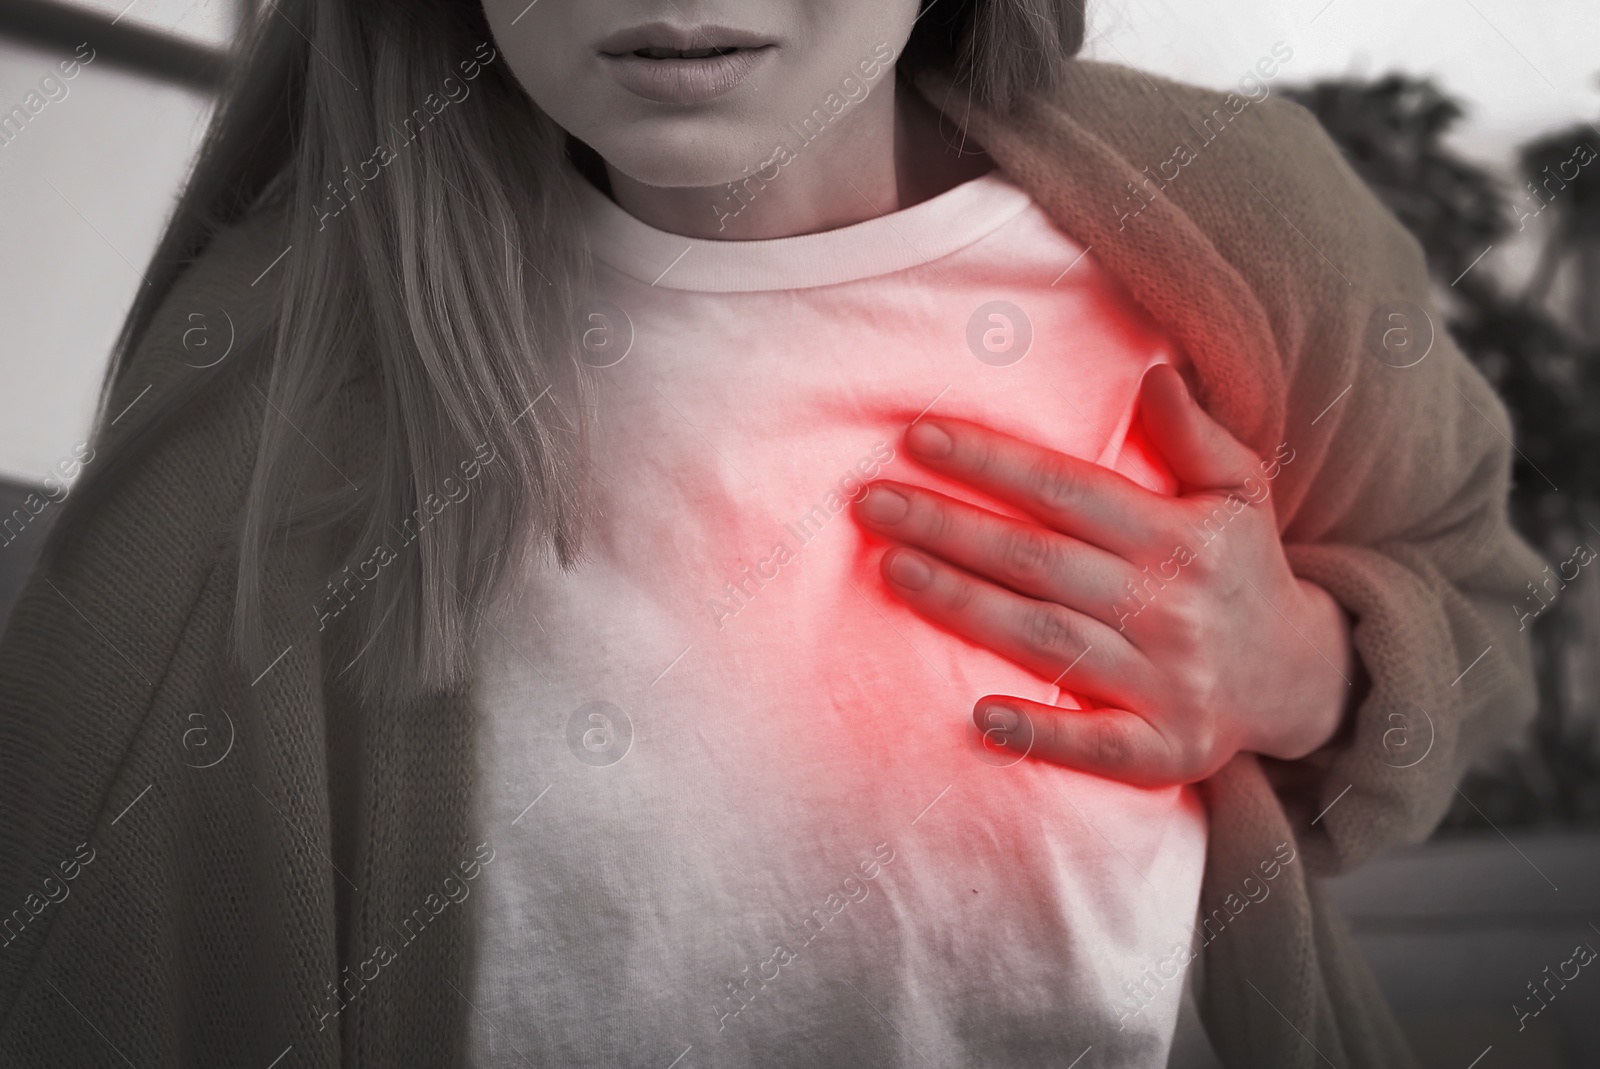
point(257, 833)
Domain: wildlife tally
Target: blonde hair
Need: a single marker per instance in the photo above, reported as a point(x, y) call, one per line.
point(454, 281)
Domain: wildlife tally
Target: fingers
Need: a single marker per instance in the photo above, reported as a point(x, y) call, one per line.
point(1047, 639)
point(1106, 742)
point(1025, 557)
point(1075, 497)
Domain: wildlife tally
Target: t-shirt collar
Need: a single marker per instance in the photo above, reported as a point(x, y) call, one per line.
point(893, 242)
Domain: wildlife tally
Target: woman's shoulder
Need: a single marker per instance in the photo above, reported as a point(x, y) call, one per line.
point(169, 458)
point(1227, 155)
point(1248, 177)
point(190, 398)
point(1136, 160)
point(216, 314)
point(1133, 108)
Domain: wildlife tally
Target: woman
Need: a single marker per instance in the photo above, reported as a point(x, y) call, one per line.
point(662, 291)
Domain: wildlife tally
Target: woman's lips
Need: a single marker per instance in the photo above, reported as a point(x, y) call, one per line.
point(685, 81)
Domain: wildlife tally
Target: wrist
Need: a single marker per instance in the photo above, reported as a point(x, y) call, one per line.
point(1325, 674)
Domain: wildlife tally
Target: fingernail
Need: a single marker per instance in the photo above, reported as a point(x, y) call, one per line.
point(909, 570)
point(929, 440)
point(883, 505)
point(1000, 718)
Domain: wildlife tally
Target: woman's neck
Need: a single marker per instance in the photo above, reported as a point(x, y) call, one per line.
point(891, 152)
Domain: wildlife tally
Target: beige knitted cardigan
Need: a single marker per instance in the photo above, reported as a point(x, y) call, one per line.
point(251, 833)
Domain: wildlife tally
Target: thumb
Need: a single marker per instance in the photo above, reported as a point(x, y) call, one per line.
point(1199, 450)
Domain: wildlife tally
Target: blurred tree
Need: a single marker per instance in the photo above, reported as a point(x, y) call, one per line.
point(1391, 131)
point(1560, 176)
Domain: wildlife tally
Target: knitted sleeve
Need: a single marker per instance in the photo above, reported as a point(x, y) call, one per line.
point(97, 698)
point(1398, 509)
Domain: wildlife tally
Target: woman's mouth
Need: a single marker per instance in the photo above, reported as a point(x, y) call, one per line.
point(679, 53)
point(673, 66)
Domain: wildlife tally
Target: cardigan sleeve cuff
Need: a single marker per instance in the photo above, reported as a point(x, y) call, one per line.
point(1388, 776)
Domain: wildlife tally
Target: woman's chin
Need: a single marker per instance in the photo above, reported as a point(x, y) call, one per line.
point(678, 162)
point(692, 175)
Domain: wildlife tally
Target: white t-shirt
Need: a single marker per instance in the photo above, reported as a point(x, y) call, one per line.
point(739, 812)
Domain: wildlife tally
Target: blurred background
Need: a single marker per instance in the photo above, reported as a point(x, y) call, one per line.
point(1475, 121)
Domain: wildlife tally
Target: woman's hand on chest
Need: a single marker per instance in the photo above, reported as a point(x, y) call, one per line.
point(1177, 619)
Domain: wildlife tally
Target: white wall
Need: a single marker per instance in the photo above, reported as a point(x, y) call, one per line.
point(84, 191)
